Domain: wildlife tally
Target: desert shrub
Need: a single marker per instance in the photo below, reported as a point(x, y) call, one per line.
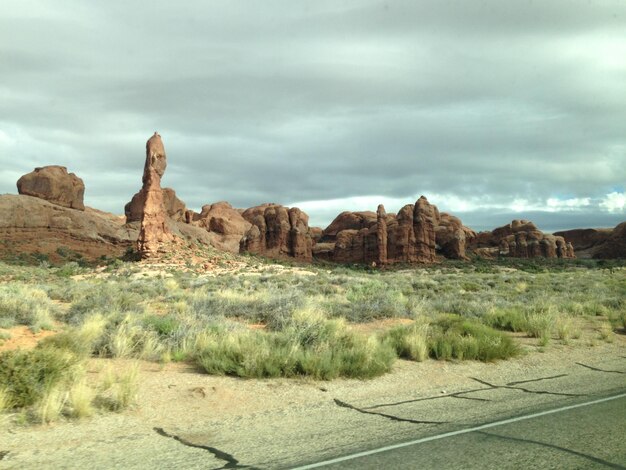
point(164, 325)
point(457, 338)
point(105, 297)
point(509, 319)
point(308, 346)
point(26, 305)
point(82, 340)
point(450, 337)
point(29, 375)
point(69, 269)
point(258, 306)
point(119, 388)
point(373, 299)
point(409, 342)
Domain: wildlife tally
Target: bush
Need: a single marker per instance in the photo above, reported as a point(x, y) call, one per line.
point(309, 345)
point(29, 375)
point(374, 299)
point(25, 305)
point(451, 337)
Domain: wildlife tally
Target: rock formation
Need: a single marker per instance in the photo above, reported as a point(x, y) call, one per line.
point(174, 207)
point(452, 236)
point(54, 184)
point(587, 241)
point(226, 223)
point(599, 243)
point(381, 235)
point(381, 238)
point(521, 239)
point(614, 246)
point(277, 232)
point(154, 229)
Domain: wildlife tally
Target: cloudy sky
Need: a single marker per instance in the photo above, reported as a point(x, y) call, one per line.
point(492, 109)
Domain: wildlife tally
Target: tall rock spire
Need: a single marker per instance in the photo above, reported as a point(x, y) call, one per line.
point(154, 230)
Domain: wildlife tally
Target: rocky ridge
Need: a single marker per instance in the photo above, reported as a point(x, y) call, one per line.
point(155, 217)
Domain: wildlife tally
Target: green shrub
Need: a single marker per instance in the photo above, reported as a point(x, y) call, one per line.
point(28, 375)
point(509, 319)
point(25, 305)
point(374, 299)
point(457, 338)
point(308, 346)
point(451, 337)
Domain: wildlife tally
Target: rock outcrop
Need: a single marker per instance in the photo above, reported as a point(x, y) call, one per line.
point(174, 207)
point(521, 239)
point(614, 246)
point(452, 236)
point(277, 232)
point(587, 241)
point(54, 184)
point(29, 225)
point(223, 221)
point(154, 230)
point(381, 238)
point(598, 243)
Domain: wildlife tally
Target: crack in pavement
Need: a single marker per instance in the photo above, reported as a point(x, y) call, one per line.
point(552, 446)
point(232, 462)
point(538, 392)
point(463, 392)
point(437, 397)
point(536, 380)
point(600, 370)
point(3, 454)
point(391, 417)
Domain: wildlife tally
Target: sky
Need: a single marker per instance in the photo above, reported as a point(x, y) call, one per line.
point(493, 109)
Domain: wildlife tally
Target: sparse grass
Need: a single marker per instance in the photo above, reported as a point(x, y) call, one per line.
point(22, 304)
point(30, 375)
point(309, 345)
point(80, 400)
point(118, 389)
point(304, 321)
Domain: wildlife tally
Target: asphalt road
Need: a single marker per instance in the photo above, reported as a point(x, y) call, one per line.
point(341, 421)
point(588, 434)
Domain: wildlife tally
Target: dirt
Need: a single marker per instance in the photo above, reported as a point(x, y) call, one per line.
point(22, 337)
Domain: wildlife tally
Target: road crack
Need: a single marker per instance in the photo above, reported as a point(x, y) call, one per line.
point(231, 462)
point(437, 397)
point(3, 454)
point(391, 417)
point(537, 380)
point(537, 392)
point(601, 370)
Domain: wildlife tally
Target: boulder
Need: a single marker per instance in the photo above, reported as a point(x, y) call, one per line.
point(154, 230)
point(54, 184)
point(277, 232)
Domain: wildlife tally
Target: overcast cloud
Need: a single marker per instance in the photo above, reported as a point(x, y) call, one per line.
point(492, 109)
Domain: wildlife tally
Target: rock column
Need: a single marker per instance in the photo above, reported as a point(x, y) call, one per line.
point(154, 230)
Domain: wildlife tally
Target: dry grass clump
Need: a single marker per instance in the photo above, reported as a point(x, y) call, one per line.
point(451, 337)
point(118, 389)
point(22, 304)
point(308, 345)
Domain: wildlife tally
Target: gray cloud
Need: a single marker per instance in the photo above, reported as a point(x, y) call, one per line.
point(296, 101)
